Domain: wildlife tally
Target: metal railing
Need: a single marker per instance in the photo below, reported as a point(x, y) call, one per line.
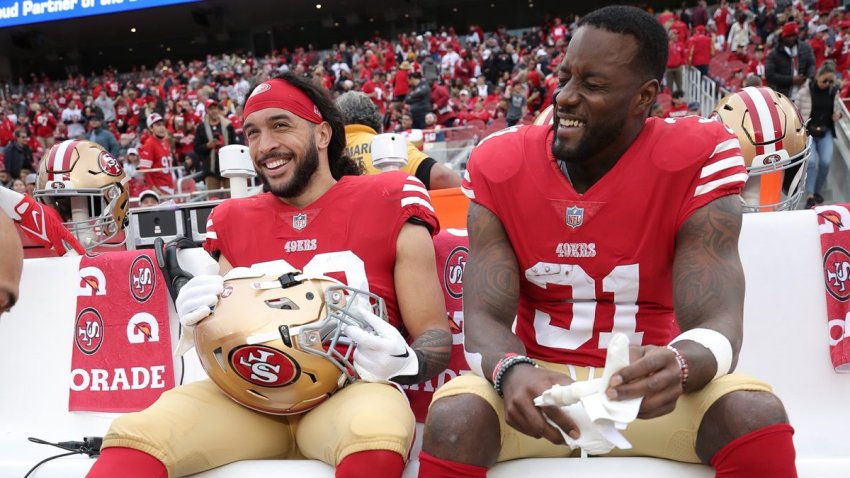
point(837, 188)
point(703, 90)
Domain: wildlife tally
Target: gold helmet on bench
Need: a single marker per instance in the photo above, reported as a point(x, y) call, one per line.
point(87, 186)
point(774, 144)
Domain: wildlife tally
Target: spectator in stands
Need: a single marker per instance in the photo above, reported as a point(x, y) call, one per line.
point(363, 121)
point(790, 63)
point(156, 154)
point(816, 101)
point(30, 183)
point(722, 16)
point(401, 84)
point(148, 198)
point(18, 155)
point(44, 123)
point(101, 136)
point(680, 107)
point(516, 104)
point(739, 33)
point(700, 50)
point(5, 178)
point(11, 264)
point(841, 49)
point(699, 14)
point(478, 111)
point(406, 123)
point(819, 44)
point(676, 57)
point(213, 133)
point(106, 105)
point(766, 20)
point(18, 186)
point(694, 109)
point(72, 117)
point(419, 100)
point(131, 164)
point(752, 80)
point(756, 65)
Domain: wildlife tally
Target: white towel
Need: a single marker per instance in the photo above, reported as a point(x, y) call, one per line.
point(599, 419)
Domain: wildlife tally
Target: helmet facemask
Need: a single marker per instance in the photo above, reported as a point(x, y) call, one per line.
point(89, 214)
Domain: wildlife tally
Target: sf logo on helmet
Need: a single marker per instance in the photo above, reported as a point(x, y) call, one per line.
point(836, 265)
point(89, 331)
point(142, 278)
point(109, 165)
point(264, 366)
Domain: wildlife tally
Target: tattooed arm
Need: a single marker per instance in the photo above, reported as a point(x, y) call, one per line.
point(421, 303)
point(708, 283)
point(708, 292)
point(490, 291)
point(490, 298)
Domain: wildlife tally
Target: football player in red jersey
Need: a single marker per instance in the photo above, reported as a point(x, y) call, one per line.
point(315, 218)
point(606, 223)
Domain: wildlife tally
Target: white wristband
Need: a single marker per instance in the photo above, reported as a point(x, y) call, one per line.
point(715, 342)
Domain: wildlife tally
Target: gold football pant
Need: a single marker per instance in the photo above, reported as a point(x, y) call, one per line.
point(672, 436)
point(196, 427)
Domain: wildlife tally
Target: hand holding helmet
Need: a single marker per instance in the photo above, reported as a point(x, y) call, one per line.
point(384, 355)
point(274, 341)
point(198, 298)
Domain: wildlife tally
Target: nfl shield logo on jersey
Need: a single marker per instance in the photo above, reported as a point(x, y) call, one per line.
point(299, 221)
point(575, 216)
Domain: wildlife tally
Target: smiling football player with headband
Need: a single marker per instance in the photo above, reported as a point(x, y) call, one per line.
point(320, 216)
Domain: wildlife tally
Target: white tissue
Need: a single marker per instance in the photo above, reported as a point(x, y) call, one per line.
point(599, 419)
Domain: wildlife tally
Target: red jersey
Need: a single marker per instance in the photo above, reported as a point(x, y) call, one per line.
point(44, 123)
point(335, 235)
point(819, 49)
point(678, 111)
point(699, 46)
point(601, 262)
point(155, 154)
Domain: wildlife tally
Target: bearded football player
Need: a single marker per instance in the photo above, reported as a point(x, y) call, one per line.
point(600, 227)
point(370, 233)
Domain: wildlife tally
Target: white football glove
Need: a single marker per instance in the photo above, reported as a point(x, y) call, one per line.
point(384, 355)
point(197, 298)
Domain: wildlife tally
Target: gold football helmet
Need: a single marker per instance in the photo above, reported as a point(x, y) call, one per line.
point(274, 342)
point(774, 144)
point(87, 186)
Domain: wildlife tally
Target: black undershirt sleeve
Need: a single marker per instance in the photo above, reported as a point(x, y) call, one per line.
point(423, 171)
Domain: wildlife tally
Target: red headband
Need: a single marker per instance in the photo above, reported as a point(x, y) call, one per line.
point(277, 93)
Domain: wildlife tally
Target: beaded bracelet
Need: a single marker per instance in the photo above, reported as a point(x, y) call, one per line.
point(502, 368)
point(683, 364)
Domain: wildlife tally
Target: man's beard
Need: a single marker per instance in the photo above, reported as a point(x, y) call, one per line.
point(590, 143)
point(300, 178)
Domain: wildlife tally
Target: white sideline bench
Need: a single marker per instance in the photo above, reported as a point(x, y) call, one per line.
point(785, 344)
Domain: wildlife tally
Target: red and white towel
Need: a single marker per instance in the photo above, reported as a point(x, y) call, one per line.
point(834, 228)
point(121, 360)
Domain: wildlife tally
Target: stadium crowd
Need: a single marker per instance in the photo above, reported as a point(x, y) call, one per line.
point(419, 80)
